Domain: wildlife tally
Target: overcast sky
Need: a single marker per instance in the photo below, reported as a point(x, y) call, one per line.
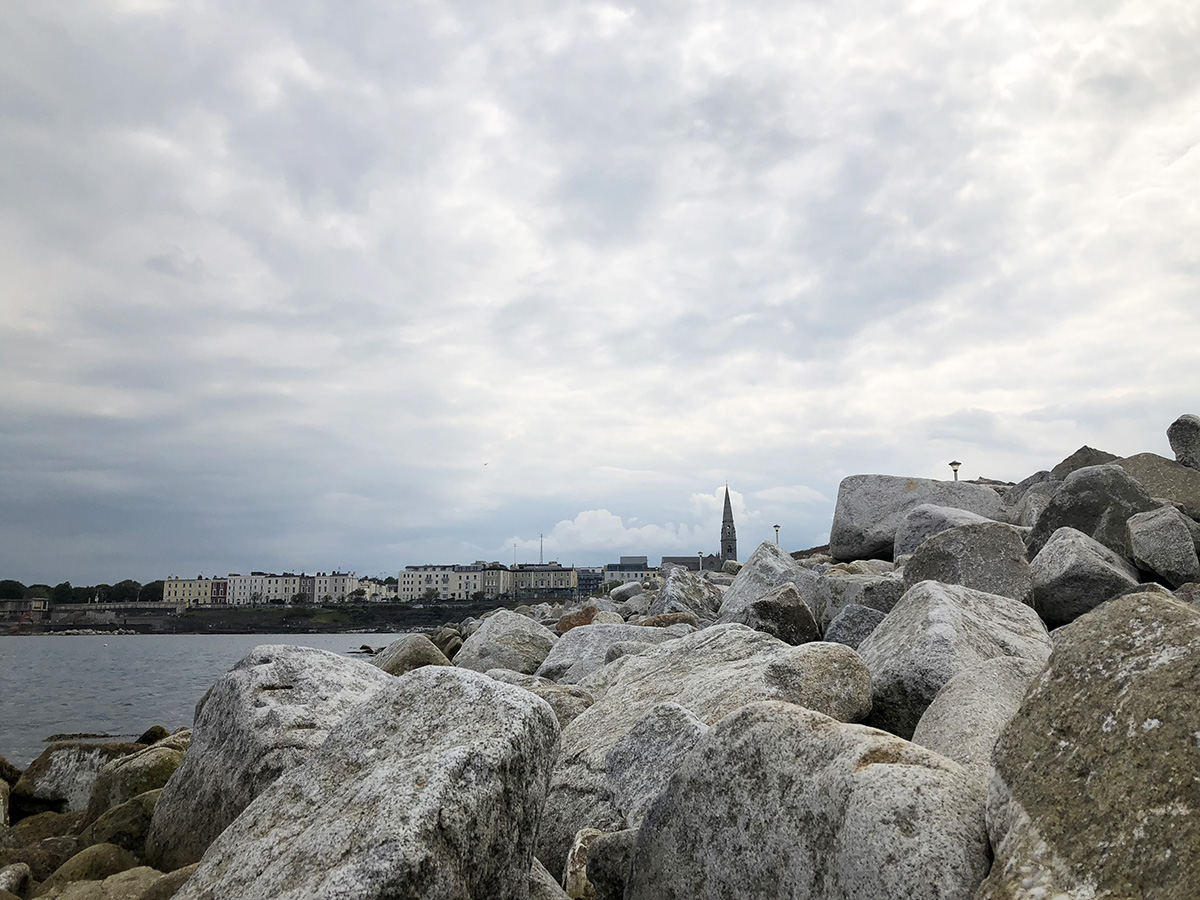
point(306, 285)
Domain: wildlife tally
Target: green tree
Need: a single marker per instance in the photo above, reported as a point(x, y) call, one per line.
point(11, 590)
point(126, 591)
point(431, 593)
point(152, 592)
point(300, 599)
point(63, 593)
point(391, 579)
point(38, 592)
point(358, 593)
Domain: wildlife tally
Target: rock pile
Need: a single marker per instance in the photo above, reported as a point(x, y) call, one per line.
point(982, 690)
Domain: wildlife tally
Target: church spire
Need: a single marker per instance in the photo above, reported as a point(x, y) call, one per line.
point(728, 533)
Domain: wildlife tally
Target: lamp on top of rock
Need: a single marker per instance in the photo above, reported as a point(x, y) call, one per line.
point(954, 464)
point(776, 534)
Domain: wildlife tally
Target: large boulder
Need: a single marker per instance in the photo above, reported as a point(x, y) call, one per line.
point(1096, 500)
point(1074, 573)
point(126, 777)
point(1033, 502)
point(924, 521)
point(1082, 458)
point(985, 556)
point(838, 589)
point(265, 716)
point(780, 801)
point(768, 568)
point(853, 624)
point(94, 863)
point(642, 762)
point(1161, 541)
point(432, 788)
point(407, 653)
point(935, 632)
point(966, 717)
point(870, 509)
point(684, 591)
point(781, 613)
point(583, 650)
point(1184, 438)
point(1096, 781)
point(125, 825)
point(567, 700)
point(62, 777)
point(1167, 479)
point(506, 640)
point(710, 673)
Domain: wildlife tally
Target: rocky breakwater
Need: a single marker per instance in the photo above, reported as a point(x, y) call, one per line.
point(984, 691)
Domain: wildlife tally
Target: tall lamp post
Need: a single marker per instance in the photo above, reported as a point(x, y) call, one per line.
point(700, 559)
point(954, 464)
point(776, 535)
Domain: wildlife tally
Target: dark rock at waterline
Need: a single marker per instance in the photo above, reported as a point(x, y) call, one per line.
point(153, 735)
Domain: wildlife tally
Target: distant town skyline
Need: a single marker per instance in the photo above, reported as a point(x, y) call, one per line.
point(361, 285)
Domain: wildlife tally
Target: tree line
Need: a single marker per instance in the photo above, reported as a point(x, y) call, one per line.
point(127, 591)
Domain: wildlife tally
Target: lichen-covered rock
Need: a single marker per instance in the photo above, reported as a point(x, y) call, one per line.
point(407, 653)
point(127, 777)
point(966, 717)
point(1082, 458)
point(683, 591)
point(1184, 438)
point(1095, 500)
point(870, 509)
point(43, 857)
point(1160, 541)
point(1073, 574)
point(265, 716)
point(131, 884)
point(609, 859)
point(924, 521)
point(838, 588)
point(583, 650)
point(710, 673)
point(781, 801)
point(641, 763)
point(1167, 479)
point(432, 789)
point(9, 773)
point(567, 700)
point(16, 879)
point(1096, 784)
point(781, 613)
point(125, 825)
point(61, 778)
point(668, 619)
point(543, 885)
point(93, 863)
point(984, 556)
point(167, 885)
point(4, 792)
point(506, 640)
point(448, 640)
point(575, 879)
point(853, 624)
point(624, 592)
point(769, 567)
point(935, 632)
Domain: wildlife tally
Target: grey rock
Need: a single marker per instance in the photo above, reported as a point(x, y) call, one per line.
point(781, 801)
point(16, 879)
point(1160, 541)
point(1073, 574)
point(1033, 503)
point(407, 653)
point(609, 859)
point(870, 509)
point(265, 716)
point(966, 717)
point(605, 617)
point(984, 556)
point(94, 863)
point(567, 700)
point(1184, 438)
point(125, 825)
point(583, 650)
point(62, 777)
point(710, 673)
point(1189, 593)
point(4, 792)
point(575, 873)
point(506, 640)
point(641, 763)
point(448, 640)
point(381, 811)
point(1096, 500)
point(543, 885)
point(1165, 478)
point(682, 591)
point(1082, 458)
point(625, 592)
point(935, 632)
point(925, 521)
point(838, 589)
point(781, 613)
point(128, 776)
point(1095, 787)
point(853, 624)
point(731, 567)
point(768, 568)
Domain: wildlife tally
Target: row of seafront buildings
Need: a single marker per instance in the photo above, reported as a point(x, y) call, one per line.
point(419, 584)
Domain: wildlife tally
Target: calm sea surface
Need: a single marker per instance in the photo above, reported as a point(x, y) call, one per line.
point(122, 684)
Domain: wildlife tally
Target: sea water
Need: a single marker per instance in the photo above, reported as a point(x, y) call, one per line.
point(120, 685)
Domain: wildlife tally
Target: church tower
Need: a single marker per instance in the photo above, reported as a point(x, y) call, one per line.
point(728, 534)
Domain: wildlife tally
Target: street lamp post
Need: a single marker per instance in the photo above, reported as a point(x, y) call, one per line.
point(700, 559)
point(954, 464)
point(776, 535)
